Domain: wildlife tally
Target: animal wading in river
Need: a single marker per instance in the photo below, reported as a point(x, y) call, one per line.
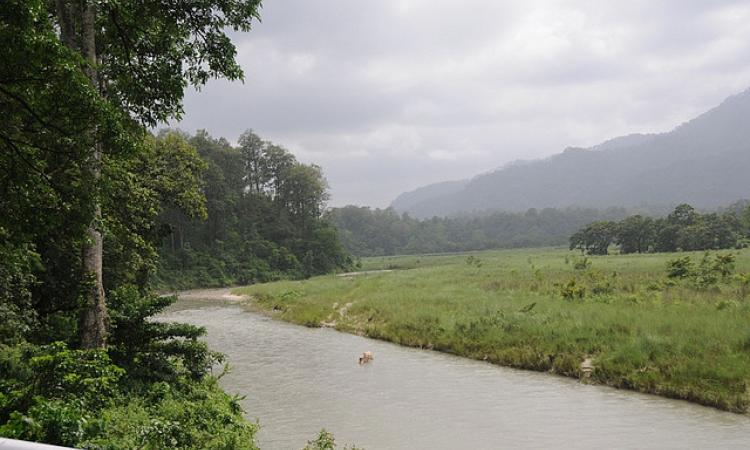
point(366, 357)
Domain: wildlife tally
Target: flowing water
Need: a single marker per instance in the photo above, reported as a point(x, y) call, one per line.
point(298, 380)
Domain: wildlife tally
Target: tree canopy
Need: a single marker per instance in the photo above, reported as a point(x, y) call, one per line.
point(264, 219)
point(684, 229)
point(375, 232)
point(84, 189)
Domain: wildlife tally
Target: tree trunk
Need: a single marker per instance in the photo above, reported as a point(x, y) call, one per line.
point(94, 319)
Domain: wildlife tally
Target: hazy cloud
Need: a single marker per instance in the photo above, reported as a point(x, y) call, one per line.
point(391, 95)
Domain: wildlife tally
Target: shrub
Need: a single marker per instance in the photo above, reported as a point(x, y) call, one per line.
point(723, 264)
point(582, 263)
point(78, 398)
point(601, 284)
point(572, 290)
point(680, 267)
point(743, 280)
point(325, 441)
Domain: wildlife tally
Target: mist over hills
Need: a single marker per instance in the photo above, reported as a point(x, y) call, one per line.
point(704, 162)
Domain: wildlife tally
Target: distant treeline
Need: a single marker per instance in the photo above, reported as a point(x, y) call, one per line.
point(376, 232)
point(683, 229)
point(263, 219)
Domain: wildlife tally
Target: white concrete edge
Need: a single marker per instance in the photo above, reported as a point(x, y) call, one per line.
point(12, 444)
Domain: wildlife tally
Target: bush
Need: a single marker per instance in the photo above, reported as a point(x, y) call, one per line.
point(743, 280)
point(601, 284)
point(51, 396)
point(325, 441)
point(709, 271)
point(582, 263)
point(572, 290)
point(680, 267)
point(151, 389)
point(78, 398)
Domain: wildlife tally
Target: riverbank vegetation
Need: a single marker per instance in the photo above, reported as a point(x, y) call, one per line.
point(668, 324)
point(263, 220)
point(83, 188)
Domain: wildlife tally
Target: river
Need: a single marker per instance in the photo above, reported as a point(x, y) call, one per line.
point(298, 380)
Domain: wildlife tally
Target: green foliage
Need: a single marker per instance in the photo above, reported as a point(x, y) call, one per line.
point(572, 290)
point(743, 280)
point(150, 389)
point(681, 267)
point(724, 264)
point(582, 263)
point(72, 151)
point(683, 229)
point(153, 351)
point(79, 398)
point(191, 416)
point(709, 271)
point(55, 393)
point(595, 238)
point(635, 234)
point(325, 441)
point(602, 285)
point(264, 220)
point(165, 174)
point(17, 317)
point(377, 232)
point(151, 52)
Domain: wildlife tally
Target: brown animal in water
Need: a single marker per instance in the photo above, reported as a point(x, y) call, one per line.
point(366, 357)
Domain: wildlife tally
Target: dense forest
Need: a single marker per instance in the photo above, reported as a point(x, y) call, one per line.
point(380, 232)
point(377, 232)
point(263, 219)
point(88, 197)
point(684, 229)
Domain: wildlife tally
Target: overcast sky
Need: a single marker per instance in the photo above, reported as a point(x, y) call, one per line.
point(390, 95)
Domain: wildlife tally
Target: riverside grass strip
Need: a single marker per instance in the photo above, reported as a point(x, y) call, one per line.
point(616, 320)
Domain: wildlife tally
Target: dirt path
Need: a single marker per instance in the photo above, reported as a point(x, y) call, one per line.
point(364, 272)
point(224, 294)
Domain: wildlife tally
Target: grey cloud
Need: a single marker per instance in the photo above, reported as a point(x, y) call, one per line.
point(389, 95)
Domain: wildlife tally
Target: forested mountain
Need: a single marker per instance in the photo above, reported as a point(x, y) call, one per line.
point(263, 219)
point(703, 162)
point(407, 200)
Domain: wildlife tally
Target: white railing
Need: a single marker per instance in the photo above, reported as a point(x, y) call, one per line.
point(12, 444)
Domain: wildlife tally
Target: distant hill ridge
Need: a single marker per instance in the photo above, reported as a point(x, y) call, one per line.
point(704, 162)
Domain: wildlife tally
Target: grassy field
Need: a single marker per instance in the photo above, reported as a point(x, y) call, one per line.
point(549, 310)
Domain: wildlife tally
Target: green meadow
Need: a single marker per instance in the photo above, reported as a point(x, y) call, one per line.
point(616, 320)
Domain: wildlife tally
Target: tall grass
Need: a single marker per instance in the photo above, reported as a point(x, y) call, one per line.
point(547, 310)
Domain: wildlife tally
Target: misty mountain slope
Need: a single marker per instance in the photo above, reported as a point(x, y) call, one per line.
point(705, 162)
point(408, 199)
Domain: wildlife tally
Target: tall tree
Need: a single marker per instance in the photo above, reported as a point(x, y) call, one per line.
point(251, 147)
point(140, 56)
